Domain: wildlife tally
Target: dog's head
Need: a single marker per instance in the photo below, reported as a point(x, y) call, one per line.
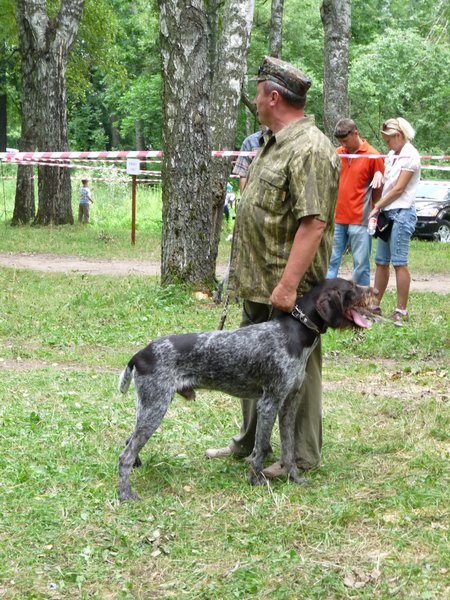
point(341, 303)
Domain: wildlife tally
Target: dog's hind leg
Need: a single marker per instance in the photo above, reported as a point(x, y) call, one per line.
point(149, 417)
point(267, 413)
point(286, 419)
point(138, 461)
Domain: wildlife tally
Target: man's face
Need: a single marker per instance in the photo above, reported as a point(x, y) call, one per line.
point(262, 101)
point(350, 141)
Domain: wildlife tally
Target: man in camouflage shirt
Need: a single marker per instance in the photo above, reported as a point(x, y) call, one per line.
point(283, 238)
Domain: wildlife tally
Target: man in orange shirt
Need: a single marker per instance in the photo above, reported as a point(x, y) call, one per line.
point(359, 187)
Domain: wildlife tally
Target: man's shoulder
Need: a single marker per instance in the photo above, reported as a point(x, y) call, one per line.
point(368, 148)
point(252, 141)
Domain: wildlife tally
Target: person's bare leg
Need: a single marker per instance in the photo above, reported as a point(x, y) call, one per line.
point(403, 279)
point(381, 281)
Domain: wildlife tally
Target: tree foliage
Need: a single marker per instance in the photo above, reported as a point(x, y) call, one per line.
point(398, 61)
point(402, 74)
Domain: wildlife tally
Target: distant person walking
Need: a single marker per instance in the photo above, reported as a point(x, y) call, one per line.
point(401, 178)
point(359, 187)
point(85, 202)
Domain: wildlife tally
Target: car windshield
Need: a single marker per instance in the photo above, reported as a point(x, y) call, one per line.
point(432, 191)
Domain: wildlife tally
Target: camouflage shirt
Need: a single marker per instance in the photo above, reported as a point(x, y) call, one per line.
point(296, 174)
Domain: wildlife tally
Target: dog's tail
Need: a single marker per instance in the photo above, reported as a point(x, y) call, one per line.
point(126, 377)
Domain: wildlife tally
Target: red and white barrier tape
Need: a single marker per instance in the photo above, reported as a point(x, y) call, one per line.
point(435, 167)
point(69, 165)
point(124, 154)
point(115, 179)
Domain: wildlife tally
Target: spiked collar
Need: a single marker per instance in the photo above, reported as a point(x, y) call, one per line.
point(299, 315)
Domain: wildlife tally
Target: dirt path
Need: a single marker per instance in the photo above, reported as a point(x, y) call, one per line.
point(50, 263)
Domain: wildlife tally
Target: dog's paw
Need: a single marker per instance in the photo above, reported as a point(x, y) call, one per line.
point(257, 478)
point(128, 497)
point(299, 480)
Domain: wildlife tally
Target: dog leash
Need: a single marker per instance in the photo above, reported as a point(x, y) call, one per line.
point(224, 313)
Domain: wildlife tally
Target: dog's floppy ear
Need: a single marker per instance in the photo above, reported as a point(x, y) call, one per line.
point(330, 308)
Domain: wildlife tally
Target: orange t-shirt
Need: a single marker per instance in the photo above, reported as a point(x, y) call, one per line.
point(354, 201)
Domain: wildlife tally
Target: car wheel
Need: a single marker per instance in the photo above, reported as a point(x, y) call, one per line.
point(443, 233)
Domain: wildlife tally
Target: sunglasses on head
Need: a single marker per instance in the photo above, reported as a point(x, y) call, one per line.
point(343, 135)
point(387, 126)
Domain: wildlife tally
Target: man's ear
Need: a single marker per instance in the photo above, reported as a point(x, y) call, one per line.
point(274, 96)
point(329, 306)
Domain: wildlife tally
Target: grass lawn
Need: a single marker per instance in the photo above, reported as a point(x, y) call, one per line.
point(372, 524)
point(109, 233)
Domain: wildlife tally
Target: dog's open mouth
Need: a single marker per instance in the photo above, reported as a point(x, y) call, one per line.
point(358, 318)
point(359, 313)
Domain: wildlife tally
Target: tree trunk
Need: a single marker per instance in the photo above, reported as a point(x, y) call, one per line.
point(115, 134)
point(228, 82)
point(336, 20)
point(276, 29)
point(3, 121)
point(194, 185)
point(3, 98)
point(213, 28)
point(139, 134)
point(187, 216)
point(24, 205)
point(45, 45)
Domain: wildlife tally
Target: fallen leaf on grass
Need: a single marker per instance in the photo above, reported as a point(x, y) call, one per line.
point(358, 579)
point(156, 540)
point(201, 296)
point(391, 518)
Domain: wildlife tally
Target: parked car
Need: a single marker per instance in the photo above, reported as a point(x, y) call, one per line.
point(433, 210)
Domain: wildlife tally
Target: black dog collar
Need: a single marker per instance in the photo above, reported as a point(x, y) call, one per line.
point(299, 315)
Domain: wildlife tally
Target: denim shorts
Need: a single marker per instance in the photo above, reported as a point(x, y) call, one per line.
point(396, 250)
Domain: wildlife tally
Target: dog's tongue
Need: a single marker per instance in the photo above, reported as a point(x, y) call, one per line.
point(359, 319)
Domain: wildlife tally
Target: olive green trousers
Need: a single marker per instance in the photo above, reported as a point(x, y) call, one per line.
point(308, 422)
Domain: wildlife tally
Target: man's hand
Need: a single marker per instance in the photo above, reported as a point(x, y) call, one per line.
point(283, 298)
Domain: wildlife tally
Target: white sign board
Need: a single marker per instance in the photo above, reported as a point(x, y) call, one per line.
point(133, 166)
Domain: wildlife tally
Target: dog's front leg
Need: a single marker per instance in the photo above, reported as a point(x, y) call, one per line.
point(286, 419)
point(267, 413)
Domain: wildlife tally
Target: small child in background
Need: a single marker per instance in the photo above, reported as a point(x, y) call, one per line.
point(85, 202)
point(229, 199)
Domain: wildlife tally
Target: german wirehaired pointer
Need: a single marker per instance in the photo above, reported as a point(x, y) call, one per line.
point(265, 361)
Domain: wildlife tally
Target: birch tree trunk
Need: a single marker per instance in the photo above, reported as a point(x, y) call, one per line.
point(45, 45)
point(200, 111)
point(187, 216)
point(336, 20)
point(24, 205)
point(213, 27)
point(276, 29)
point(227, 87)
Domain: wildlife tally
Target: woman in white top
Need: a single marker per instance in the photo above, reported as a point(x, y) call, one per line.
point(401, 177)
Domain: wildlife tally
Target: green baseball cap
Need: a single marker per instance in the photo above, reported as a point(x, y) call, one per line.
point(285, 74)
